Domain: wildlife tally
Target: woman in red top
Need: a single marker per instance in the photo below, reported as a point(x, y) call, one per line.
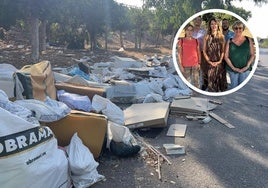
point(189, 56)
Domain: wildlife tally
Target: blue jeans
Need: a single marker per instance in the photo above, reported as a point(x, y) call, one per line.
point(237, 78)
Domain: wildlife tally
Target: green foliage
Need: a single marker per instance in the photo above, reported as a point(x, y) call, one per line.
point(171, 13)
point(155, 18)
point(8, 14)
point(263, 43)
point(241, 12)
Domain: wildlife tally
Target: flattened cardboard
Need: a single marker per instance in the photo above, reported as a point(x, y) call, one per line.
point(90, 127)
point(147, 115)
point(82, 90)
point(177, 130)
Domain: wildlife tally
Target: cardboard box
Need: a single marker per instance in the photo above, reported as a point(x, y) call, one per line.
point(90, 127)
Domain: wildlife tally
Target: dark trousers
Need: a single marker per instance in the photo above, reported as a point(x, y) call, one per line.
point(204, 72)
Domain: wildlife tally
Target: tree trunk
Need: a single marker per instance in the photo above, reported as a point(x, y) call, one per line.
point(106, 38)
point(157, 39)
point(93, 42)
point(172, 38)
point(136, 39)
point(139, 39)
point(121, 39)
point(2, 33)
point(34, 37)
point(43, 37)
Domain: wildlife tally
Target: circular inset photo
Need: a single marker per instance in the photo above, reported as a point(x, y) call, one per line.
point(215, 53)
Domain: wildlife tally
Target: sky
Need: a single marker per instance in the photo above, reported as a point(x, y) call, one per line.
point(255, 23)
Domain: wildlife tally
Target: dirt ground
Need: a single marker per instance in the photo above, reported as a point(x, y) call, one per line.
point(15, 50)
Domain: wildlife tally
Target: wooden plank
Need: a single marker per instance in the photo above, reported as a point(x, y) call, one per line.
point(221, 120)
point(177, 130)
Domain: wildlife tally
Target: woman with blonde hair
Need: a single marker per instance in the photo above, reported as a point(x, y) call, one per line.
point(213, 50)
point(239, 55)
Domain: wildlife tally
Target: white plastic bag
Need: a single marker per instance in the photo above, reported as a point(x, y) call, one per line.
point(29, 155)
point(156, 86)
point(153, 97)
point(82, 164)
point(113, 112)
point(119, 133)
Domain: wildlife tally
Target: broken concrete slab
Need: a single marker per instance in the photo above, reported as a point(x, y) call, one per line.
point(147, 115)
point(182, 97)
point(206, 120)
point(193, 105)
point(195, 118)
point(204, 103)
point(178, 130)
point(186, 106)
point(172, 149)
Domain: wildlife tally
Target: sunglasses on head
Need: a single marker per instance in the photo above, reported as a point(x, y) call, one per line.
point(236, 28)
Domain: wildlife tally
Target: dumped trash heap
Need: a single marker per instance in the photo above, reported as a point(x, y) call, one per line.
point(57, 120)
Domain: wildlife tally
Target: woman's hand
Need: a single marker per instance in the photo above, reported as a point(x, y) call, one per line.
point(214, 63)
point(244, 69)
point(236, 69)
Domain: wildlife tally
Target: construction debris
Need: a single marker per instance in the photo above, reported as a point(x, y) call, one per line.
point(172, 149)
point(205, 120)
point(147, 115)
point(221, 120)
point(177, 130)
point(156, 153)
point(195, 118)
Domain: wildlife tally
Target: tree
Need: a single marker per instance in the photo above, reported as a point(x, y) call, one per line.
point(31, 11)
point(93, 17)
point(140, 24)
point(171, 14)
point(120, 20)
point(9, 13)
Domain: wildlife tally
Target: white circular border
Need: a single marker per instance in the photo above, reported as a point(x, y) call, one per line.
point(174, 51)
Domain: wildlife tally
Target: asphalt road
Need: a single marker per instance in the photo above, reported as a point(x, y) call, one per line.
point(216, 156)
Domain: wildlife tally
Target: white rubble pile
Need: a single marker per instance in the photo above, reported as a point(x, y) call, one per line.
point(156, 83)
point(132, 81)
